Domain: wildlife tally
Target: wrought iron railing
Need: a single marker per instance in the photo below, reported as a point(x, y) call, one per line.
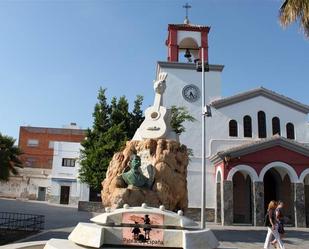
point(20, 221)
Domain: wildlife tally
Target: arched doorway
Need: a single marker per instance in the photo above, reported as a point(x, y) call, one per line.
point(277, 186)
point(272, 181)
point(242, 198)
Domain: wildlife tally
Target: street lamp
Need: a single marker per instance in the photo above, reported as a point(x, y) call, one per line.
point(206, 112)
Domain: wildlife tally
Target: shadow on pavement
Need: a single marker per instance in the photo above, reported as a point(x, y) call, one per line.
point(292, 237)
point(248, 236)
point(48, 235)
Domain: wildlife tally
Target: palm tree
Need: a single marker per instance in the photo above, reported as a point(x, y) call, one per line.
point(9, 160)
point(295, 10)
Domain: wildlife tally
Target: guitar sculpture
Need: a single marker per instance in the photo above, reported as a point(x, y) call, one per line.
point(154, 125)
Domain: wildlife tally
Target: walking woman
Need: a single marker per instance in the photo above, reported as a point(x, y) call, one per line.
point(280, 219)
point(272, 227)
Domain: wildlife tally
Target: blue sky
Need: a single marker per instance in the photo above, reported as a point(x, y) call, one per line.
point(54, 55)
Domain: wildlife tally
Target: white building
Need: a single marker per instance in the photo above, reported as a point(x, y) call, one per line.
point(65, 186)
point(30, 184)
point(36, 143)
point(256, 141)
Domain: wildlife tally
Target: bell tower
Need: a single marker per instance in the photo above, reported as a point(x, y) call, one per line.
point(189, 39)
point(184, 88)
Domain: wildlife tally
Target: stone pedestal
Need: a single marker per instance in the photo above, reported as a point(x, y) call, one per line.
point(258, 203)
point(299, 205)
point(61, 243)
point(138, 227)
point(88, 234)
point(199, 239)
point(227, 203)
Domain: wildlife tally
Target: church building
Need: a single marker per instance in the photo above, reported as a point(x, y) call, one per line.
point(257, 142)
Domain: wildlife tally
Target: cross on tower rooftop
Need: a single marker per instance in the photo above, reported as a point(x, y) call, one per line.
point(187, 7)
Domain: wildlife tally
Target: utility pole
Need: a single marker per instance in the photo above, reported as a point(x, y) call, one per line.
point(203, 197)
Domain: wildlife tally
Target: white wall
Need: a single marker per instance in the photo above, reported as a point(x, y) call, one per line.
point(67, 176)
point(65, 150)
point(217, 126)
point(26, 184)
point(194, 179)
point(77, 189)
point(217, 133)
point(307, 132)
point(176, 80)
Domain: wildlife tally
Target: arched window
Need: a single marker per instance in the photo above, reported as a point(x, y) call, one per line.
point(262, 124)
point(290, 133)
point(233, 128)
point(247, 126)
point(276, 126)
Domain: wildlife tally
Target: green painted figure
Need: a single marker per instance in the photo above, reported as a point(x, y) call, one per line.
point(134, 176)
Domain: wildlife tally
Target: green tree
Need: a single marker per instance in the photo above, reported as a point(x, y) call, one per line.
point(113, 125)
point(120, 113)
point(9, 157)
point(101, 112)
point(179, 116)
point(136, 116)
point(295, 10)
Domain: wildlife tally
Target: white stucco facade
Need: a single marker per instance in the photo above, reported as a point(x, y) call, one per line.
point(251, 107)
point(180, 75)
point(27, 184)
point(217, 126)
point(64, 175)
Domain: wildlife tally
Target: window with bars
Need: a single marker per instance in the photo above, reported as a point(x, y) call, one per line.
point(68, 162)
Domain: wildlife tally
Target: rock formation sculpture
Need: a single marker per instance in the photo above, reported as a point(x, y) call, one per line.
point(157, 173)
point(169, 159)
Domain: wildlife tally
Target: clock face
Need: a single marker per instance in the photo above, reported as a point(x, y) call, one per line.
point(191, 93)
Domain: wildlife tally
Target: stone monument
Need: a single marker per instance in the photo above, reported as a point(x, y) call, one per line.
point(150, 171)
point(162, 171)
point(152, 168)
point(140, 227)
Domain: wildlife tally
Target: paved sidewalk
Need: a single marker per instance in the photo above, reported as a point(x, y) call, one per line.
point(60, 221)
point(56, 216)
point(247, 237)
point(232, 237)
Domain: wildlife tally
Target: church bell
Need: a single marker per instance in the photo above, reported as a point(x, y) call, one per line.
point(188, 55)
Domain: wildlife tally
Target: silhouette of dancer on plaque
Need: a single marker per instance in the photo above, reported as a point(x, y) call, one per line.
point(136, 231)
point(147, 228)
